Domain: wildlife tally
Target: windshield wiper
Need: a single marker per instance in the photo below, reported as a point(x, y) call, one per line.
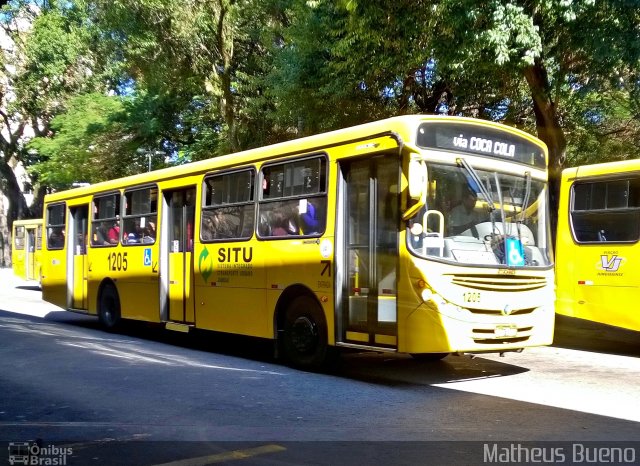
point(527, 194)
point(474, 176)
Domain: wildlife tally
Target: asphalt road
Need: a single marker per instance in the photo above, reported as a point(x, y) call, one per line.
point(148, 396)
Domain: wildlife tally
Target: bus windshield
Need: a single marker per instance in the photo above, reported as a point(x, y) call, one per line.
point(479, 217)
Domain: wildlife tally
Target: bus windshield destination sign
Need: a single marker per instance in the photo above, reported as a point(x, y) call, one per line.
point(483, 141)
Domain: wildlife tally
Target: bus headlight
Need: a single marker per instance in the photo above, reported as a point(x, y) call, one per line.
point(427, 295)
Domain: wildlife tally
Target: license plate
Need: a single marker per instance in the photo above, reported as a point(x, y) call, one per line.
point(505, 331)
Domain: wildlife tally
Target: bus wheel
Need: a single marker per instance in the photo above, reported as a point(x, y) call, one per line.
point(109, 310)
point(305, 334)
point(429, 356)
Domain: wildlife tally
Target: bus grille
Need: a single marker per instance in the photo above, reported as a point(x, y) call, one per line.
point(498, 282)
point(494, 312)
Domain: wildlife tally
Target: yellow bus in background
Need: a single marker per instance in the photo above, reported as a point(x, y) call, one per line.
point(597, 252)
point(26, 248)
point(344, 239)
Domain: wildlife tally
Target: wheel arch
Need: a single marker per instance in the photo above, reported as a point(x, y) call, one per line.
point(285, 299)
point(103, 284)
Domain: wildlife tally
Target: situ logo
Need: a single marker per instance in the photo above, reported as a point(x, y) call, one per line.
point(610, 264)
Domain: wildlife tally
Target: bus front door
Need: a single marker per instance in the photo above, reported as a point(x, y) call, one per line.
point(30, 251)
point(78, 267)
point(369, 204)
point(180, 224)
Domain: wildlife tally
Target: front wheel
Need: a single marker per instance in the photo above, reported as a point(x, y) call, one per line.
point(109, 309)
point(305, 334)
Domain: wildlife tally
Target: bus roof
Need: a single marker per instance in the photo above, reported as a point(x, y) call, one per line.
point(602, 169)
point(28, 221)
point(402, 126)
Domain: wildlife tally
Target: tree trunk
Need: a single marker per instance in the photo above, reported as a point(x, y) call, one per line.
point(549, 131)
point(17, 203)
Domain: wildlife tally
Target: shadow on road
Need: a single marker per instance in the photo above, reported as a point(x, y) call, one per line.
point(402, 370)
point(387, 369)
point(579, 334)
point(29, 287)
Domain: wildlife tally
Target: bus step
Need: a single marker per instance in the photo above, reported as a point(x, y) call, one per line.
point(176, 327)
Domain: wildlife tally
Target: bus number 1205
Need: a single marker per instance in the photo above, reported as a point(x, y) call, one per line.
point(471, 297)
point(117, 261)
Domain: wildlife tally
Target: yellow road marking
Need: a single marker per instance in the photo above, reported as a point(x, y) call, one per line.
point(226, 456)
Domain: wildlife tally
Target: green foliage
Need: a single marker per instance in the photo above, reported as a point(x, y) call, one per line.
point(199, 79)
point(91, 143)
point(608, 128)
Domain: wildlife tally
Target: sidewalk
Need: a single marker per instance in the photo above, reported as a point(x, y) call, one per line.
point(22, 296)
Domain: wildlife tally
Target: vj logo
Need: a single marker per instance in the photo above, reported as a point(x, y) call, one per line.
point(610, 265)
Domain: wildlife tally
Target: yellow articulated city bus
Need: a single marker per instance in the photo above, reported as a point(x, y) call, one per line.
point(26, 248)
point(418, 234)
point(597, 244)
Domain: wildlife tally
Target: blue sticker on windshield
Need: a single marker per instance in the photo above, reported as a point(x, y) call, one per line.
point(515, 252)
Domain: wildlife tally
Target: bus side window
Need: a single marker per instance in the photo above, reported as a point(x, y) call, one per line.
point(56, 238)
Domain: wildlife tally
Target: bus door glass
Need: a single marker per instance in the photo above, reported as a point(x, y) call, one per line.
point(371, 250)
point(78, 263)
point(31, 254)
point(181, 204)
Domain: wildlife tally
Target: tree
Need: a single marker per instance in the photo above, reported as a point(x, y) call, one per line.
point(528, 63)
point(45, 62)
point(202, 56)
point(91, 143)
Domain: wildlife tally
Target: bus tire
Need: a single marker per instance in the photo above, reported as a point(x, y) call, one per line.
point(305, 334)
point(429, 356)
point(109, 308)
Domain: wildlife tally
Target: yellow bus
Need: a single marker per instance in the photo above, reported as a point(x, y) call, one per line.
point(344, 239)
point(26, 248)
point(597, 244)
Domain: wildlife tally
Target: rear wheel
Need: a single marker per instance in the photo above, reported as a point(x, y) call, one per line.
point(305, 334)
point(109, 309)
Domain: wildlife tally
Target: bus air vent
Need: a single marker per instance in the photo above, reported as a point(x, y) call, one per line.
point(498, 282)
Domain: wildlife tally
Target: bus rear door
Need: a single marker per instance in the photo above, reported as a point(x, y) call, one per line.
point(369, 206)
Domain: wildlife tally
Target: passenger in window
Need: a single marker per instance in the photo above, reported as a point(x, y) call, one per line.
point(100, 235)
point(149, 233)
point(134, 237)
point(309, 219)
point(222, 226)
point(113, 236)
point(284, 222)
point(56, 238)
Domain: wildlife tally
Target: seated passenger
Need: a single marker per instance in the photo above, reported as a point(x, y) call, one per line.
point(149, 233)
point(99, 237)
point(113, 236)
point(283, 222)
point(309, 221)
point(56, 238)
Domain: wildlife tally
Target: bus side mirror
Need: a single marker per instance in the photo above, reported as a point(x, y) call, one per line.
point(417, 187)
point(417, 179)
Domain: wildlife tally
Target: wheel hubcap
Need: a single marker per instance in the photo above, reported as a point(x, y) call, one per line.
point(304, 335)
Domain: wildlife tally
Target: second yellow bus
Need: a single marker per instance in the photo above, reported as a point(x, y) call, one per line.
point(597, 245)
point(26, 248)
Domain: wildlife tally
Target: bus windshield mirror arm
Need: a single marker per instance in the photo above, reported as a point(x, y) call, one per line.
point(527, 195)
